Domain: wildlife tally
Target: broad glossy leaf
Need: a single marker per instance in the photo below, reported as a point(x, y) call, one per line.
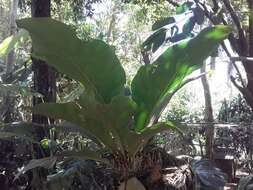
point(153, 82)
point(11, 42)
point(139, 140)
point(84, 154)
point(112, 124)
point(120, 116)
point(109, 123)
point(67, 127)
point(84, 116)
point(67, 111)
point(93, 63)
point(150, 132)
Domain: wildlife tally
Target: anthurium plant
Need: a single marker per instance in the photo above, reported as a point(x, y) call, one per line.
point(120, 124)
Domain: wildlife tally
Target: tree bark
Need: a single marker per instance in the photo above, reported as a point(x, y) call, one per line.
point(249, 65)
point(44, 75)
point(209, 132)
point(112, 24)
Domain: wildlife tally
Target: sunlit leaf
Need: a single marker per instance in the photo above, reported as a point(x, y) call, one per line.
point(12, 41)
point(93, 63)
point(153, 82)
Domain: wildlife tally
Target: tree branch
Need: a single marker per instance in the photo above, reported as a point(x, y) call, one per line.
point(245, 92)
point(239, 74)
point(233, 80)
point(215, 6)
point(236, 20)
point(241, 58)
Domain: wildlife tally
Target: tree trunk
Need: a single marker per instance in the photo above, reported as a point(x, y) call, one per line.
point(209, 132)
point(249, 65)
point(8, 101)
point(250, 41)
point(250, 3)
point(44, 76)
point(109, 37)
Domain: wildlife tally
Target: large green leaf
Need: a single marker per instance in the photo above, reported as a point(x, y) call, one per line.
point(120, 117)
point(84, 116)
point(141, 139)
point(109, 123)
point(11, 42)
point(114, 127)
point(155, 81)
point(84, 154)
point(93, 62)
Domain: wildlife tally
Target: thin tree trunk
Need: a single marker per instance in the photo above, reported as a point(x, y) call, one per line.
point(250, 42)
point(44, 76)
point(8, 101)
point(112, 24)
point(208, 114)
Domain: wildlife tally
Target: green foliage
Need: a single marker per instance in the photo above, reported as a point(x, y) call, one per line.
point(93, 63)
point(236, 110)
point(119, 123)
point(11, 42)
point(180, 109)
point(174, 28)
point(18, 89)
point(156, 81)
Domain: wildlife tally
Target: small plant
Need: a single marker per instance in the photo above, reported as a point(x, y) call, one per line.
point(121, 125)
